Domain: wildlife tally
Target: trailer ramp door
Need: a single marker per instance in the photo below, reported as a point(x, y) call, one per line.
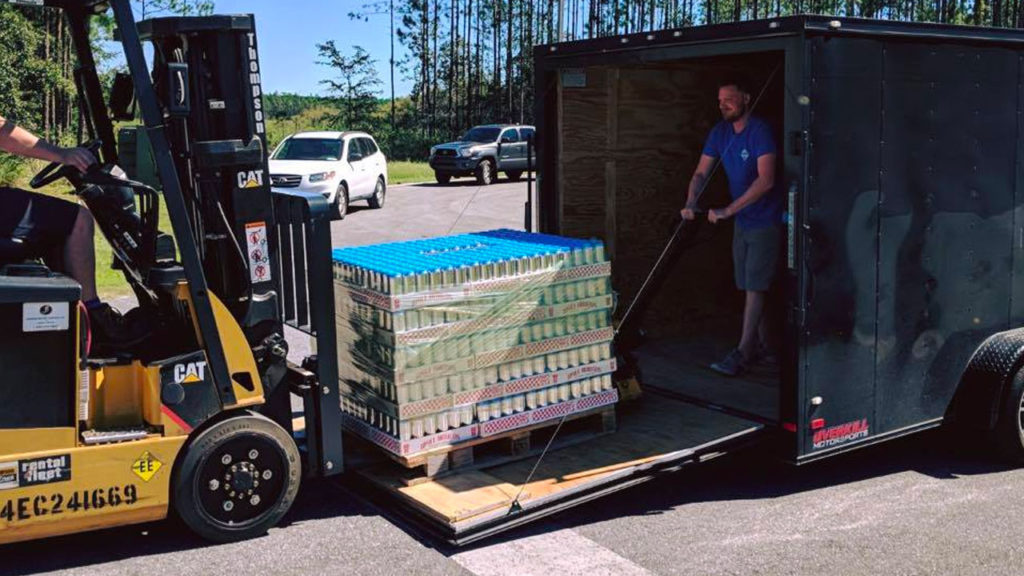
point(654, 435)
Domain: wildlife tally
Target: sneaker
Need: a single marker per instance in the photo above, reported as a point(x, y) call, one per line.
point(113, 331)
point(733, 364)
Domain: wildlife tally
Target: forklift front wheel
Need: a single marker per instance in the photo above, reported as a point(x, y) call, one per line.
point(237, 478)
point(1009, 430)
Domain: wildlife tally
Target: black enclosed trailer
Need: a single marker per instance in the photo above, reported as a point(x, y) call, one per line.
point(899, 160)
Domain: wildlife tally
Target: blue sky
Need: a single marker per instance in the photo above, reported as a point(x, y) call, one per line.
point(288, 32)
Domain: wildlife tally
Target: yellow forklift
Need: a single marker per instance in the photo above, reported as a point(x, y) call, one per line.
point(194, 418)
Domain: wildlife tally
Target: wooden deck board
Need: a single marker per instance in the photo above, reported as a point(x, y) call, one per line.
point(649, 429)
point(682, 365)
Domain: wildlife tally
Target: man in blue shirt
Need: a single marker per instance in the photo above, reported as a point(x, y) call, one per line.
point(745, 146)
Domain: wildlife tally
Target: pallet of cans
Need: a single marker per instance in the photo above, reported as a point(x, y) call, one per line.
point(446, 340)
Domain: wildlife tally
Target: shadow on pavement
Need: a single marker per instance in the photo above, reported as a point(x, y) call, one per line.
point(748, 475)
point(756, 475)
point(317, 499)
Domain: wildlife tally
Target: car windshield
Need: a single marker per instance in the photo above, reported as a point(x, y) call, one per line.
point(481, 134)
point(309, 149)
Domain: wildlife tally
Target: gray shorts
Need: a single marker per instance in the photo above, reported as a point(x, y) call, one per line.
point(755, 257)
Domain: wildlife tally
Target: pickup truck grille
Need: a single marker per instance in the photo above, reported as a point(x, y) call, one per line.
point(446, 152)
point(285, 180)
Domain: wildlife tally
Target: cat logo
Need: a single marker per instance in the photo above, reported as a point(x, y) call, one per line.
point(189, 372)
point(250, 179)
point(8, 475)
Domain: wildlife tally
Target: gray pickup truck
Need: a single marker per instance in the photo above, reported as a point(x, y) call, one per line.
point(483, 152)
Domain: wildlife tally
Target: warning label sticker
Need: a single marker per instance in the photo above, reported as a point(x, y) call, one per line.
point(256, 247)
point(45, 316)
point(146, 466)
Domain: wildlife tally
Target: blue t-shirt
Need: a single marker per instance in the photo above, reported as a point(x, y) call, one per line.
point(740, 163)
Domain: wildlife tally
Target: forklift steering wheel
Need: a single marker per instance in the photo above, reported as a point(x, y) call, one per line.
point(55, 170)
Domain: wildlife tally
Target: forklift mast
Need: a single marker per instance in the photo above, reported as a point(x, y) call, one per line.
point(206, 72)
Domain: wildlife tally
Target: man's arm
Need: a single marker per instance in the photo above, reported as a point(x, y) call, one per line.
point(17, 140)
point(700, 176)
point(759, 187)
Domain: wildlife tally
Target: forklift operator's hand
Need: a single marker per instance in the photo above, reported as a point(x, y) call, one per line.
point(79, 158)
point(716, 214)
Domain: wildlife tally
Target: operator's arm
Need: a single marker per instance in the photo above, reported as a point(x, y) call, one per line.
point(700, 176)
point(759, 187)
point(21, 142)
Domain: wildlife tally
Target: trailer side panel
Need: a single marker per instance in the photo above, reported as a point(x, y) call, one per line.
point(842, 197)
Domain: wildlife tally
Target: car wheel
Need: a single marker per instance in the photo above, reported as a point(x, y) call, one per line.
point(237, 478)
point(340, 206)
point(514, 175)
point(377, 200)
point(442, 178)
point(485, 172)
point(1009, 430)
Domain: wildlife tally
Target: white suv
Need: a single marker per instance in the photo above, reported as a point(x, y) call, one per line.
point(343, 166)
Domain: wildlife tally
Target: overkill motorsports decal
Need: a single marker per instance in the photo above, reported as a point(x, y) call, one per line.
point(841, 434)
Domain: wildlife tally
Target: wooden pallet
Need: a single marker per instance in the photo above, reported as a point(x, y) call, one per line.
point(506, 447)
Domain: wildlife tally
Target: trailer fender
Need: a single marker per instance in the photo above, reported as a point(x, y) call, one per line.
point(989, 374)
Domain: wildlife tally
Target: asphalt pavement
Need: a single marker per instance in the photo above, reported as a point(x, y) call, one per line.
point(927, 504)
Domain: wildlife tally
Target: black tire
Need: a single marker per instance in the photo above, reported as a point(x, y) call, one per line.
point(340, 206)
point(485, 172)
point(442, 178)
point(379, 192)
point(237, 478)
point(514, 175)
point(1009, 431)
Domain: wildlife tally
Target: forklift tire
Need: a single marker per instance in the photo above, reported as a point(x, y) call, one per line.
point(340, 206)
point(1009, 430)
point(377, 200)
point(237, 478)
point(514, 175)
point(485, 172)
point(442, 178)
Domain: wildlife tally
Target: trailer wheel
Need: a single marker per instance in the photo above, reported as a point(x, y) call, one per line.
point(237, 478)
point(1009, 430)
point(485, 172)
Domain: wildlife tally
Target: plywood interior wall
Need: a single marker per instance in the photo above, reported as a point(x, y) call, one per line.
point(629, 142)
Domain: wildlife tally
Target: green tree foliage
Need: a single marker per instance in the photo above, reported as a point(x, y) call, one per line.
point(37, 63)
point(355, 84)
point(471, 60)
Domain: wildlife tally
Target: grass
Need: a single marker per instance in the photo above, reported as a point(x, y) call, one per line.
point(404, 172)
